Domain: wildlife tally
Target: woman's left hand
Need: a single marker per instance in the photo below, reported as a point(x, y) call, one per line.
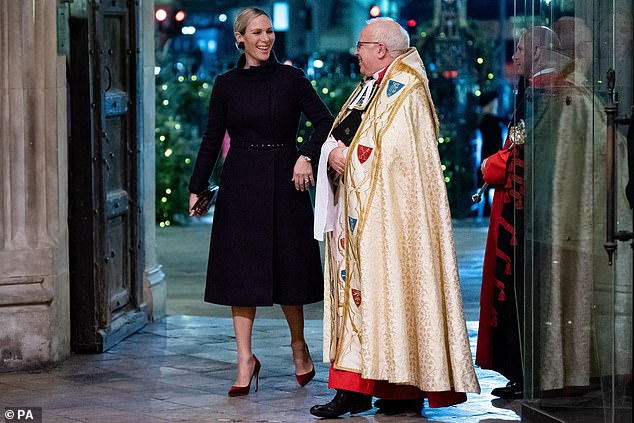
point(303, 175)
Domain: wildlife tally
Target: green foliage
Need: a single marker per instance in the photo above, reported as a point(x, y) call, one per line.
point(459, 71)
point(181, 108)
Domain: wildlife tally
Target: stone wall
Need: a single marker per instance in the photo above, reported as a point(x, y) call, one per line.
point(34, 280)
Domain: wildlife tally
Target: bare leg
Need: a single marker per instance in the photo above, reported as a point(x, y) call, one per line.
point(295, 319)
point(243, 327)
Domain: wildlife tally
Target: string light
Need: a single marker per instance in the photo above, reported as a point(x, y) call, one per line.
point(160, 15)
point(169, 204)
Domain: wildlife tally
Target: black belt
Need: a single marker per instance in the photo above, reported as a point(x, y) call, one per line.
point(260, 145)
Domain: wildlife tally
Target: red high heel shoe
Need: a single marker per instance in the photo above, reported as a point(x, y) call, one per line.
point(306, 377)
point(237, 391)
point(303, 379)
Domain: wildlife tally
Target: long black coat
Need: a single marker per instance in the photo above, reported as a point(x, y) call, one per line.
point(262, 248)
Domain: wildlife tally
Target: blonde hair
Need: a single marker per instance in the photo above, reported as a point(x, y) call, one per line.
point(245, 16)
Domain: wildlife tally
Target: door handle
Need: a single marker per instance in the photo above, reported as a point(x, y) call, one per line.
point(612, 111)
point(630, 157)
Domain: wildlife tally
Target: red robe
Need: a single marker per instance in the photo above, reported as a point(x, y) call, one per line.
point(350, 381)
point(495, 174)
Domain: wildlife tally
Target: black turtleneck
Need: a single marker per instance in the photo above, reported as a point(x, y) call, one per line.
point(260, 104)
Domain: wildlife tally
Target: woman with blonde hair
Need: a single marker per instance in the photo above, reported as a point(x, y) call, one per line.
point(262, 250)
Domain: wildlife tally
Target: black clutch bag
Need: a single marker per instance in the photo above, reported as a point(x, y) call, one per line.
point(348, 127)
point(205, 200)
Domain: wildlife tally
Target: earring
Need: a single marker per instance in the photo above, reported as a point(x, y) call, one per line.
point(239, 45)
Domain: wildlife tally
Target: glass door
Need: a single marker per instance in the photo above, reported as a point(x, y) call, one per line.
point(576, 306)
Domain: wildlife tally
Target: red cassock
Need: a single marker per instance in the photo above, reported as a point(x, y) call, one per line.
point(494, 173)
point(350, 381)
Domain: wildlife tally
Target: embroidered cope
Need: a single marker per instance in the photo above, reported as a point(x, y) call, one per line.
point(393, 308)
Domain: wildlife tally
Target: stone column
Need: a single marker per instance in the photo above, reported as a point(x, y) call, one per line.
point(155, 289)
point(34, 279)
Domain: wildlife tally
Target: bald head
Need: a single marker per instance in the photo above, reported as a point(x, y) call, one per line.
point(575, 37)
point(390, 33)
point(531, 46)
point(380, 42)
point(541, 37)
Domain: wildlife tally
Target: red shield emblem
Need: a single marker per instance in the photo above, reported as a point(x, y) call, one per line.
point(363, 152)
point(356, 296)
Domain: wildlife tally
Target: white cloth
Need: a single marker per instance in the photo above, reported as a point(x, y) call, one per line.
point(325, 212)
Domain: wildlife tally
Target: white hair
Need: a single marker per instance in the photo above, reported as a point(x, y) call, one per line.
point(390, 33)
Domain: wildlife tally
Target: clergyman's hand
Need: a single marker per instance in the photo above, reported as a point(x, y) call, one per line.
point(483, 165)
point(337, 158)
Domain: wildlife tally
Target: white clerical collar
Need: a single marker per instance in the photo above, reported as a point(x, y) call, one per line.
point(376, 74)
point(544, 72)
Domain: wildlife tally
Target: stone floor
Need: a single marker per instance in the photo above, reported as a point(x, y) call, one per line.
point(183, 251)
point(180, 368)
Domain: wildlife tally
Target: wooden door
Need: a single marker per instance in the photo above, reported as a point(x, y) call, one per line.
point(106, 216)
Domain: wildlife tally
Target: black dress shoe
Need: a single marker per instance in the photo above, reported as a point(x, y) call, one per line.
point(512, 390)
point(393, 407)
point(343, 402)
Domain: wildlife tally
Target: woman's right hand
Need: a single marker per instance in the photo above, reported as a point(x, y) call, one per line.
point(192, 200)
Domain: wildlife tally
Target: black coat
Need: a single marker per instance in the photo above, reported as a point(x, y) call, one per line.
point(262, 248)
